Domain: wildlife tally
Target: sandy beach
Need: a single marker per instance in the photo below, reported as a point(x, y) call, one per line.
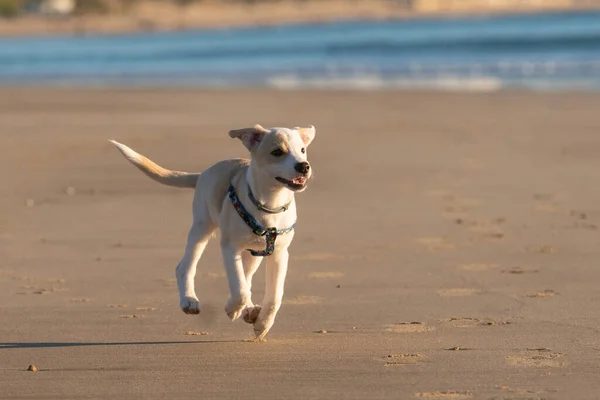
point(446, 249)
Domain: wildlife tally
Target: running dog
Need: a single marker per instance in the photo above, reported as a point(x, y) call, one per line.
point(252, 203)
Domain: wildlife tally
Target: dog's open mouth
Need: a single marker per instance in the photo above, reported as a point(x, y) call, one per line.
point(295, 184)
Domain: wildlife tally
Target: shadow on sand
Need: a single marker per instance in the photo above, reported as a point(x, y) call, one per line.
point(38, 345)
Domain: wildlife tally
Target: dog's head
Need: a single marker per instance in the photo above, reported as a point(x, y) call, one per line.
point(279, 154)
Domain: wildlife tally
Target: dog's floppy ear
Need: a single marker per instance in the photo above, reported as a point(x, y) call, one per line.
point(307, 134)
point(251, 137)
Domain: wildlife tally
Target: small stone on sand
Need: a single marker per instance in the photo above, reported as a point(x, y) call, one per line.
point(32, 368)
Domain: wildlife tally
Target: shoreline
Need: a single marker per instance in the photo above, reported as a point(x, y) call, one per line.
point(146, 18)
point(458, 88)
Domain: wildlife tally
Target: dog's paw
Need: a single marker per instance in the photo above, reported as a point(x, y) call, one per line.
point(262, 327)
point(234, 308)
point(234, 314)
point(250, 314)
point(190, 305)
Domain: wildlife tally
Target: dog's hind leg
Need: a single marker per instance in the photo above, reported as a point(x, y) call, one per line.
point(198, 237)
point(251, 264)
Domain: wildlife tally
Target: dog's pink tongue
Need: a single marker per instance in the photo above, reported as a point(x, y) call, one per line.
point(299, 181)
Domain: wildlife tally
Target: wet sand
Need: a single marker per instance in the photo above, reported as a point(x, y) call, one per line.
point(448, 247)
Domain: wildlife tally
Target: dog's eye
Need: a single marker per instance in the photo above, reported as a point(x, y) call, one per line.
point(277, 153)
point(303, 150)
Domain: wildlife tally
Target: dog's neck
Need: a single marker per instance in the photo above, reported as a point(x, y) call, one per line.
point(270, 194)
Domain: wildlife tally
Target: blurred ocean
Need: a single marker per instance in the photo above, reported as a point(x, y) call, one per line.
point(538, 51)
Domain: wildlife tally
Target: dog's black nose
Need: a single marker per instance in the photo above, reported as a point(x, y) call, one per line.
point(303, 167)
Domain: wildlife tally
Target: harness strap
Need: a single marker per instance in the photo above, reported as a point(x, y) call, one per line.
point(270, 233)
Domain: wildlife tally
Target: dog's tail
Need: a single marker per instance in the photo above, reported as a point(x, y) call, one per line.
point(155, 171)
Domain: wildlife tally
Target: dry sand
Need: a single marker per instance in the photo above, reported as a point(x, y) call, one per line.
point(166, 16)
point(448, 246)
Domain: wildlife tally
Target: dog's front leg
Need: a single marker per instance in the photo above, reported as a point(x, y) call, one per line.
point(239, 291)
point(276, 272)
point(251, 264)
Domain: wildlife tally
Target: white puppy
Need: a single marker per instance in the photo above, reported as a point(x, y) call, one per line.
point(252, 203)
